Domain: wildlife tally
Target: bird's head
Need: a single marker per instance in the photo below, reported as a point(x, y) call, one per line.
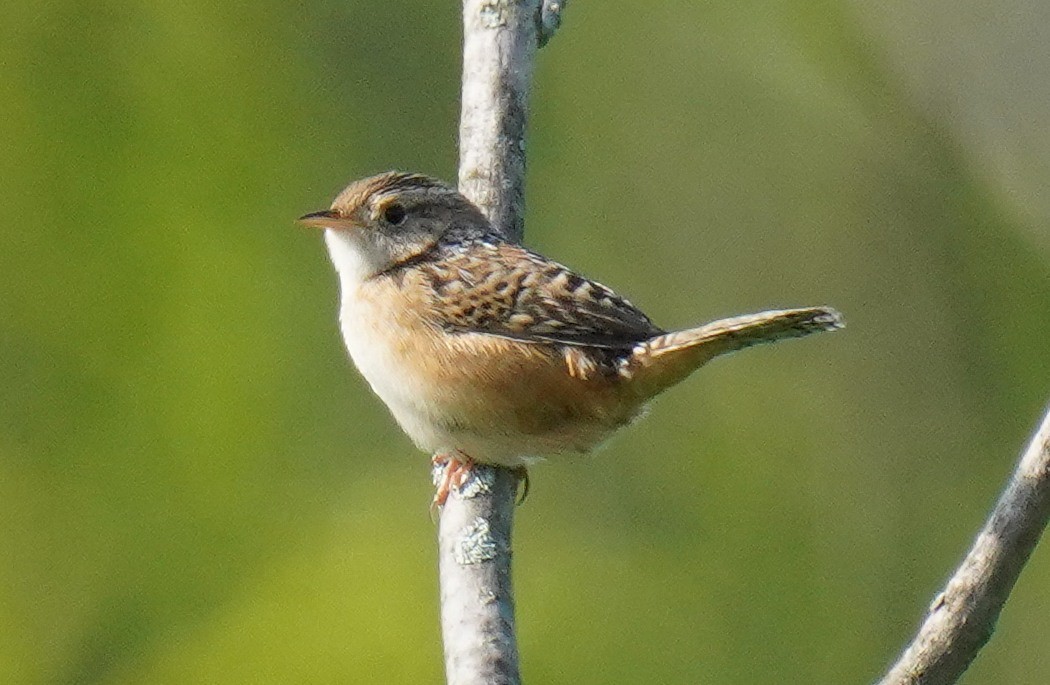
point(382, 221)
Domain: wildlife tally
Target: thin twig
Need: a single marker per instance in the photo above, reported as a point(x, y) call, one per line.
point(499, 48)
point(477, 600)
point(962, 618)
point(474, 535)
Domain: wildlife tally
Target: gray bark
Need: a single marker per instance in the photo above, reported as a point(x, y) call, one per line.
point(500, 39)
point(477, 600)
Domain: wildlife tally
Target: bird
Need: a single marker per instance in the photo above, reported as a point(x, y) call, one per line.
point(486, 352)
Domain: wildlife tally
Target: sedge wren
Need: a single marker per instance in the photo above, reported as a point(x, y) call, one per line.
point(487, 352)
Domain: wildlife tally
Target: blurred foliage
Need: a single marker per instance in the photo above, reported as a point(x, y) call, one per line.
point(196, 488)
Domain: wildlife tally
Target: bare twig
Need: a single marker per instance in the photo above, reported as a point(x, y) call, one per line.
point(477, 601)
point(962, 617)
point(500, 39)
point(477, 604)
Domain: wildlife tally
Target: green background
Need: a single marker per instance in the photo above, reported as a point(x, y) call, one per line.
point(196, 487)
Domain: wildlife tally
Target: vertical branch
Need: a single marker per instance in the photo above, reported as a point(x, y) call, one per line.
point(962, 617)
point(500, 41)
point(477, 600)
point(499, 47)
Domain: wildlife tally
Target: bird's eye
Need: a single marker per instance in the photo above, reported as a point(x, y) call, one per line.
point(394, 214)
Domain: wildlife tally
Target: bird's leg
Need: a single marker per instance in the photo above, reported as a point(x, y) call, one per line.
point(455, 469)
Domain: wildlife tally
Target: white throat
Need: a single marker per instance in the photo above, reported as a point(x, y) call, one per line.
point(351, 262)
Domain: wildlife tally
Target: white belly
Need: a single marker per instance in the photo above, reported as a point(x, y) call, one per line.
point(379, 352)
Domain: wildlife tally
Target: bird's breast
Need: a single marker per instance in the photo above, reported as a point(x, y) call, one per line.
point(384, 337)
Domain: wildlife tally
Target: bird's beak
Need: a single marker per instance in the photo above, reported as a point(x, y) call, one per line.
point(327, 218)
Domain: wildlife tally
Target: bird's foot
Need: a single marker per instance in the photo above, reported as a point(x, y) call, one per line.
point(452, 471)
point(455, 469)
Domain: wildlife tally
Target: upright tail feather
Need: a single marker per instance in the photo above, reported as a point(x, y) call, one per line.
point(666, 359)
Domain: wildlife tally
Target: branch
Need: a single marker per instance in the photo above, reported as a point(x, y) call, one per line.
point(962, 617)
point(500, 41)
point(477, 600)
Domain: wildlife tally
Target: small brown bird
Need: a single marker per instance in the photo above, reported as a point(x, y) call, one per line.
point(487, 352)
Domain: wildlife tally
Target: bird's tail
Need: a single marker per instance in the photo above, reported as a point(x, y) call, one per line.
point(666, 359)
